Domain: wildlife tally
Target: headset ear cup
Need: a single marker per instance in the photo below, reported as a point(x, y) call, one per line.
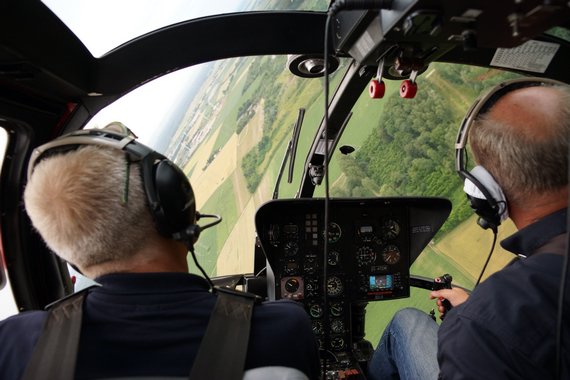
point(485, 197)
point(488, 216)
point(177, 210)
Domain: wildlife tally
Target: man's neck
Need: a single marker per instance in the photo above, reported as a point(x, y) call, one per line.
point(537, 208)
point(161, 255)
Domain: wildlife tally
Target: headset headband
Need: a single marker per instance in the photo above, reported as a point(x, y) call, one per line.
point(483, 104)
point(81, 137)
point(169, 193)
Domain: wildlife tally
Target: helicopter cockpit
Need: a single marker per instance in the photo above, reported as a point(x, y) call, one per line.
point(356, 103)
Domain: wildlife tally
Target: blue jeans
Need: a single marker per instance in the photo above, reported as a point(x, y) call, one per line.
point(407, 349)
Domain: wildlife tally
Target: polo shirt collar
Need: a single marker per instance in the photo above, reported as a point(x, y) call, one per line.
point(163, 282)
point(527, 240)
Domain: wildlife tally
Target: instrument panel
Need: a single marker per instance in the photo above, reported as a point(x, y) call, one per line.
point(367, 256)
point(363, 255)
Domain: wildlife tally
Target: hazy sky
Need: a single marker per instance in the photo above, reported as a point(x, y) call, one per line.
point(105, 24)
point(143, 109)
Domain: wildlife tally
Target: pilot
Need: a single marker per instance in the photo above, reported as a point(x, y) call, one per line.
point(149, 314)
point(507, 327)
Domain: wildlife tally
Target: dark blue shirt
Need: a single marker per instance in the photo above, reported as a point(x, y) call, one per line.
point(152, 324)
point(506, 330)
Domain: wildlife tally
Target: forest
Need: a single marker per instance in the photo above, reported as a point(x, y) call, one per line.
point(410, 150)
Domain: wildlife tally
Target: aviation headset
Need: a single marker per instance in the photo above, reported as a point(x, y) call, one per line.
point(169, 194)
point(483, 192)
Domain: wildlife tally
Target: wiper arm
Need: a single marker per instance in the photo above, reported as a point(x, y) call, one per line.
point(290, 153)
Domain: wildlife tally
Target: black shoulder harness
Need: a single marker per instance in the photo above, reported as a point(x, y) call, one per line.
point(221, 355)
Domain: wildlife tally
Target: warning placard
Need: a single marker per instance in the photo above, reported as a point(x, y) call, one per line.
point(532, 56)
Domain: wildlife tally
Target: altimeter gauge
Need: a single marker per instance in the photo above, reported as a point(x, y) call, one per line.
point(391, 254)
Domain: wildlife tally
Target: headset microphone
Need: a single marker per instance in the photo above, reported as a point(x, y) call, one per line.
point(192, 233)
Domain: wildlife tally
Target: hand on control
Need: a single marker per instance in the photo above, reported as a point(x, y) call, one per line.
point(453, 296)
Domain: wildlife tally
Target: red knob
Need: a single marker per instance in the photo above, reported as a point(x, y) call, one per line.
point(377, 89)
point(408, 89)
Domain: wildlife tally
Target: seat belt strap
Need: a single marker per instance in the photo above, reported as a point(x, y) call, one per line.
point(221, 355)
point(223, 350)
point(55, 353)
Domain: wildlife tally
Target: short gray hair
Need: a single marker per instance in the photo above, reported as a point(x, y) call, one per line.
point(522, 164)
point(76, 200)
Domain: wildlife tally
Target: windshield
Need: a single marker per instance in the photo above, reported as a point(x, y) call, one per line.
point(228, 123)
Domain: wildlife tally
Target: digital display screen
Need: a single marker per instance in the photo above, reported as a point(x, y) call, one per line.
point(366, 229)
point(381, 282)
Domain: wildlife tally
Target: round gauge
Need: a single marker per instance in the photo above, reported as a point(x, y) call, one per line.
point(291, 248)
point(391, 228)
point(335, 232)
point(316, 311)
point(337, 343)
point(317, 327)
point(334, 286)
point(332, 258)
point(336, 309)
point(365, 256)
point(292, 285)
point(337, 326)
point(391, 254)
